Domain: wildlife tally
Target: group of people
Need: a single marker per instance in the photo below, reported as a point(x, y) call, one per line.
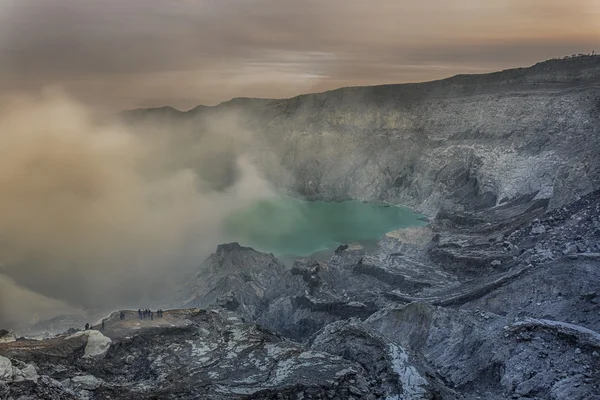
point(147, 313)
point(143, 314)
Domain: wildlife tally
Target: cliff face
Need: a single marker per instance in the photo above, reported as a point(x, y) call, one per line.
point(468, 142)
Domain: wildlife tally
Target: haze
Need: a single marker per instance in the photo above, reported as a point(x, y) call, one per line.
point(116, 54)
point(97, 215)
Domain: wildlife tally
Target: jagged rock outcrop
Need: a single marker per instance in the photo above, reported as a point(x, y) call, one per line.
point(478, 354)
point(235, 276)
point(387, 366)
point(189, 354)
point(299, 301)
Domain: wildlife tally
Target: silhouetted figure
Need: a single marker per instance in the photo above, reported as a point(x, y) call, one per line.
point(87, 326)
point(152, 315)
point(102, 327)
point(140, 313)
point(122, 316)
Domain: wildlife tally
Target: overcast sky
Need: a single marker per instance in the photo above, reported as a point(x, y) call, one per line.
point(119, 54)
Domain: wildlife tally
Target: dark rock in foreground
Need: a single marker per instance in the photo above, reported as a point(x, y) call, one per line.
point(188, 354)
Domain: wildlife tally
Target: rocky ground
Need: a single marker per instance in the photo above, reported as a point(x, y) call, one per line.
point(186, 354)
point(497, 298)
point(495, 304)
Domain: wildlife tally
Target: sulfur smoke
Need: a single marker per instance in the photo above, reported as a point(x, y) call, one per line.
point(94, 215)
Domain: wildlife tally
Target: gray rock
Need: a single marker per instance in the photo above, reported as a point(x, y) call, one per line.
point(525, 388)
point(195, 354)
point(86, 382)
point(6, 369)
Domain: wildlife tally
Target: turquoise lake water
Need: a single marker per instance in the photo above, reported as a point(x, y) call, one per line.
point(293, 227)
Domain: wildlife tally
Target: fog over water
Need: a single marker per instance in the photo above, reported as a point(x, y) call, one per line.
point(97, 216)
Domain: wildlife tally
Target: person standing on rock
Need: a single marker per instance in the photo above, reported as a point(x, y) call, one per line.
point(87, 326)
point(152, 315)
point(102, 326)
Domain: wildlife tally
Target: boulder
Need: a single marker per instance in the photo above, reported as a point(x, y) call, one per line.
point(86, 382)
point(97, 344)
point(6, 369)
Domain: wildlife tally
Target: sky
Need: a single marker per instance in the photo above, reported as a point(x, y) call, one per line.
point(119, 54)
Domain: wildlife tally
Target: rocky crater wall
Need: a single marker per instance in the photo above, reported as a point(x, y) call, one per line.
point(468, 142)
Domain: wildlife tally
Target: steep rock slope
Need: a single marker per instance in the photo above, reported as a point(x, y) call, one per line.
point(471, 141)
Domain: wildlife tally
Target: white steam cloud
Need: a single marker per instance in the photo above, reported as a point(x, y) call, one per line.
point(96, 216)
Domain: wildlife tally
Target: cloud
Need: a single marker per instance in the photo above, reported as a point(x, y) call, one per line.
point(126, 53)
point(95, 215)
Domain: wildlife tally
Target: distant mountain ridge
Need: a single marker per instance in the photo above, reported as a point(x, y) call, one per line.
point(573, 67)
